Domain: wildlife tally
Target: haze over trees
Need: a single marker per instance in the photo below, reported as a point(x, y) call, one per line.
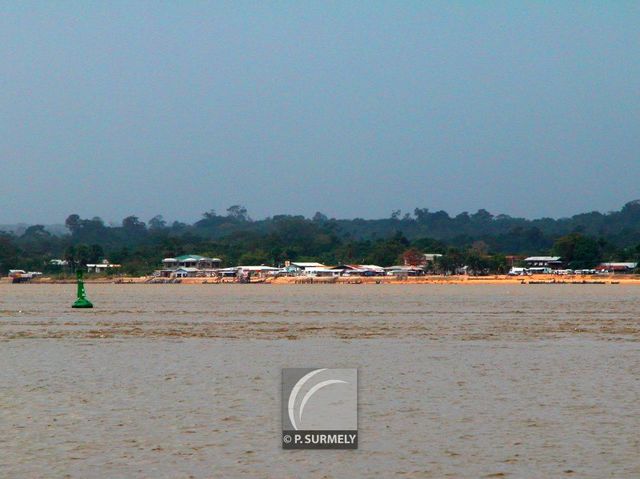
point(479, 240)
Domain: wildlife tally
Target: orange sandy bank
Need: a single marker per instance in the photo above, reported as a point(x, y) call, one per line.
point(464, 280)
point(467, 280)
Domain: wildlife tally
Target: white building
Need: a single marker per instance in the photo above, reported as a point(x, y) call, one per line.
point(102, 267)
point(553, 262)
point(195, 265)
point(191, 261)
point(321, 272)
point(185, 272)
point(360, 269)
point(298, 267)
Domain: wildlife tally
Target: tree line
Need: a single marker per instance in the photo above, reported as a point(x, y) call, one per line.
point(482, 241)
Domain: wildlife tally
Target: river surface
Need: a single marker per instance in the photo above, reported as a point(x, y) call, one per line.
point(522, 381)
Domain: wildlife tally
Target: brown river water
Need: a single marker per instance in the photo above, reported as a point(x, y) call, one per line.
point(522, 381)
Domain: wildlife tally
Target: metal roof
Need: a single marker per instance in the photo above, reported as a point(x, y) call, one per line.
point(259, 268)
point(619, 265)
point(190, 257)
point(187, 257)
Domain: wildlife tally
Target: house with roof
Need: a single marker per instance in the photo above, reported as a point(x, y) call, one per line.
point(103, 266)
point(401, 270)
point(301, 267)
point(359, 269)
point(185, 272)
point(189, 265)
point(617, 268)
point(321, 272)
point(191, 261)
point(260, 269)
point(552, 262)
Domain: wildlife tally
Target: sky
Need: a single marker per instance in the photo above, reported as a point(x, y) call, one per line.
point(350, 108)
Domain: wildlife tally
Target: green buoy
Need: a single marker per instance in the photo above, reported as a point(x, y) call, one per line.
point(82, 301)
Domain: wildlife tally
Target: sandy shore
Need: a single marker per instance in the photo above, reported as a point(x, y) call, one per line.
point(468, 280)
point(435, 279)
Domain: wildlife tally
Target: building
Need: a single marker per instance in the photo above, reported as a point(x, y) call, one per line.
point(298, 268)
point(191, 261)
point(228, 272)
point(401, 270)
point(102, 267)
point(260, 271)
point(359, 269)
point(185, 272)
point(245, 273)
point(188, 265)
point(552, 262)
point(414, 258)
point(620, 268)
point(321, 272)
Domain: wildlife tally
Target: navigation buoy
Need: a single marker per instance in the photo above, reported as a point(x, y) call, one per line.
point(82, 301)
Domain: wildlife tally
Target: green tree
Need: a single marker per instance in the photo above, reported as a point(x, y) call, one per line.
point(237, 212)
point(578, 251)
point(73, 223)
point(70, 257)
point(96, 254)
point(9, 253)
point(133, 224)
point(83, 255)
point(256, 257)
point(157, 223)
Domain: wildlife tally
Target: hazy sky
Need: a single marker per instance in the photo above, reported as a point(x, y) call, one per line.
point(350, 108)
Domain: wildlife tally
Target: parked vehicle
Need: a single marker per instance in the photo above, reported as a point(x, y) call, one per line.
point(540, 270)
point(564, 271)
point(584, 271)
point(518, 272)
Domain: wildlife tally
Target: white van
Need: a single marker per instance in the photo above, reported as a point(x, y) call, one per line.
point(518, 272)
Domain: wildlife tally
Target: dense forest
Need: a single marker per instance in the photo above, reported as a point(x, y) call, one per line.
point(479, 240)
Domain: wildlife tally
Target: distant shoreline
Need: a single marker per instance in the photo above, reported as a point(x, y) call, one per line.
point(350, 280)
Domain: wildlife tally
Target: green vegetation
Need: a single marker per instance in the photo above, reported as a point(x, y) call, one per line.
point(479, 240)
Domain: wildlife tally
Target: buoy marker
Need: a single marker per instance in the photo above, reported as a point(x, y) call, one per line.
point(81, 301)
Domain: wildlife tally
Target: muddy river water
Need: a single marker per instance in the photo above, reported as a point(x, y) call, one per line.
point(454, 381)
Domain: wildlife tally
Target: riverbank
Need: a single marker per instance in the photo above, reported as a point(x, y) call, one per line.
point(434, 279)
